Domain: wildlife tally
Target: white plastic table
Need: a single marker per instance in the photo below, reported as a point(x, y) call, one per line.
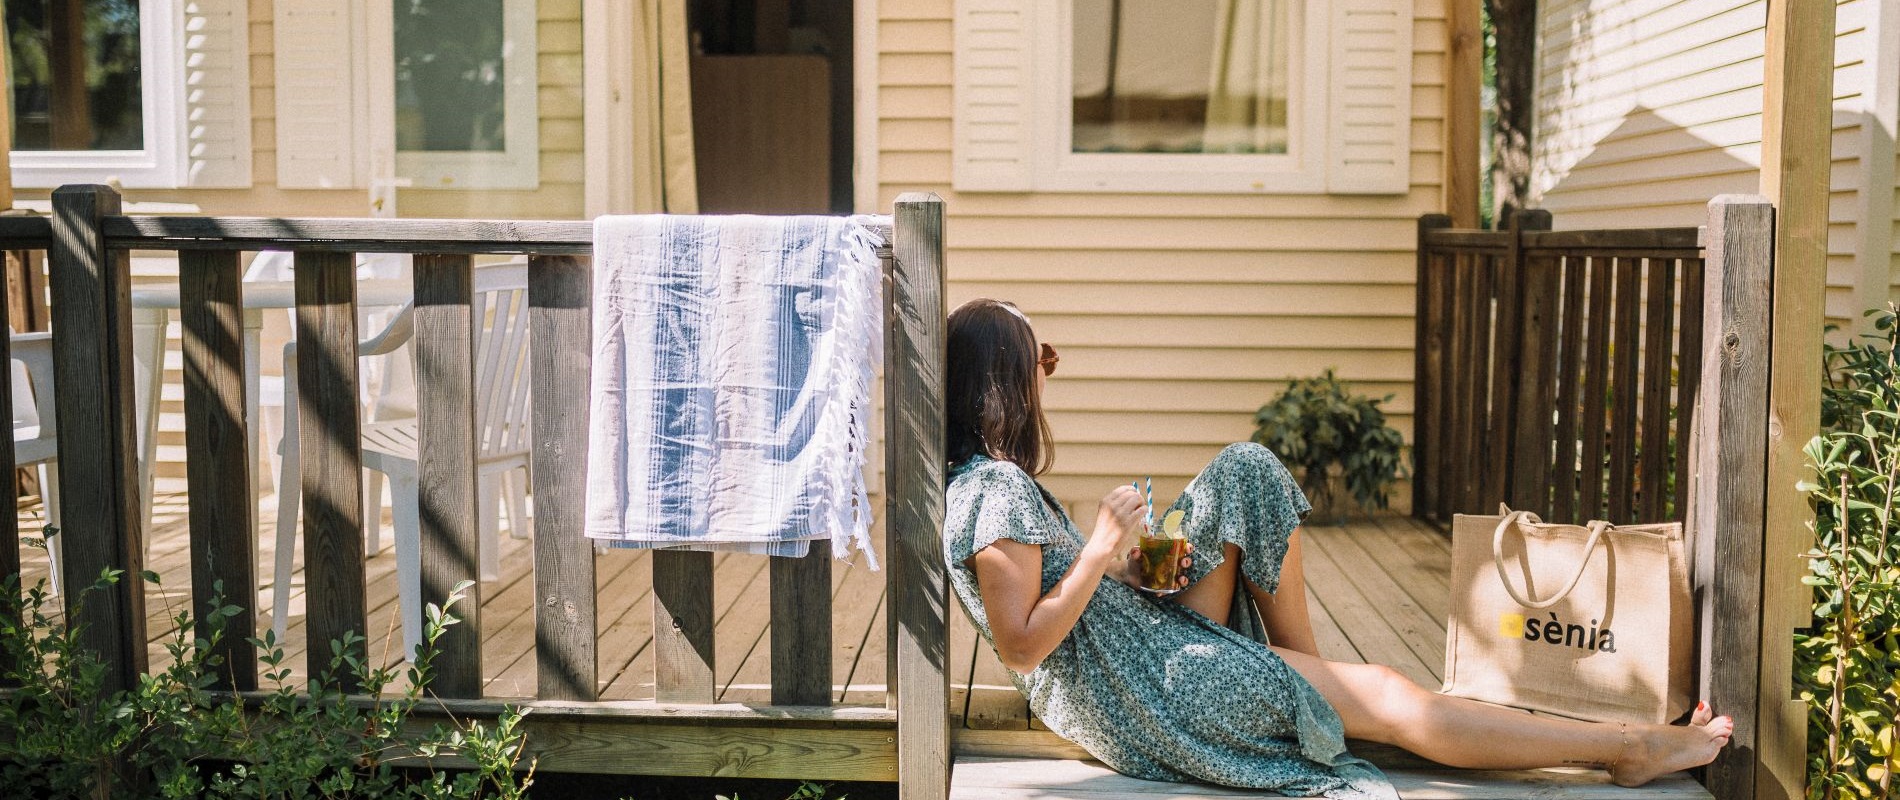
point(152, 306)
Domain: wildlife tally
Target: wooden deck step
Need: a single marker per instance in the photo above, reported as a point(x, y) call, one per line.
point(994, 778)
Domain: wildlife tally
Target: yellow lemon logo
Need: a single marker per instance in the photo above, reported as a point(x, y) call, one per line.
point(1511, 626)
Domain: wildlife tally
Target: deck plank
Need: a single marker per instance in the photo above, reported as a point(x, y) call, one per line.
point(1370, 633)
point(1334, 644)
point(1415, 628)
point(989, 778)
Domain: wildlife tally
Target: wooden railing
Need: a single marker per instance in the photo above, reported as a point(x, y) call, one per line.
point(1551, 367)
point(1619, 375)
point(798, 736)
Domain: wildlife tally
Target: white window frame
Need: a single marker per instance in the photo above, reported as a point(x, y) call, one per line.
point(161, 164)
point(1302, 169)
point(518, 166)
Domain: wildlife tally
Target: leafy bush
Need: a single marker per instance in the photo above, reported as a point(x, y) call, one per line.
point(1317, 425)
point(61, 737)
point(1847, 665)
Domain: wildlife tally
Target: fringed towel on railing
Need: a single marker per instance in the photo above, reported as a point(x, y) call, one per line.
point(733, 363)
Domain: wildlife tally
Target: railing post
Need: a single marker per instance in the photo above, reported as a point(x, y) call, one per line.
point(1523, 433)
point(560, 353)
point(330, 449)
point(914, 464)
point(1428, 342)
point(447, 496)
point(223, 508)
point(92, 357)
point(1731, 471)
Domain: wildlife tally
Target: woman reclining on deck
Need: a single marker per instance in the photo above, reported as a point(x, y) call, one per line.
point(1156, 688)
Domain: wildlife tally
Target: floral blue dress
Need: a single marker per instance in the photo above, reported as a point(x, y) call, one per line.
point(1150, 687)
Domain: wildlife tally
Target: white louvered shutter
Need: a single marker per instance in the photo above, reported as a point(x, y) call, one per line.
point(1369, 87)
point(991, 143)
point(321, 95)
point(217, 94)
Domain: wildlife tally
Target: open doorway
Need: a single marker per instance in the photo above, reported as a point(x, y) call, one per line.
point(772, 116)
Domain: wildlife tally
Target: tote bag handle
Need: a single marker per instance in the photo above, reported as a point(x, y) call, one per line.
point(1583, 561)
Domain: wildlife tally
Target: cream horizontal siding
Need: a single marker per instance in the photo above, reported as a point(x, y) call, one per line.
point(1178, 315)
point(1646, 109)
point(1893, 266)
point(1853, 80)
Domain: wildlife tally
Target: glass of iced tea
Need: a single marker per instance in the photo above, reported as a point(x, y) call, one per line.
point(1161, 554)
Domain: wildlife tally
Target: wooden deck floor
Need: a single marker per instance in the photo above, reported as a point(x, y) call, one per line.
point(1378, 592)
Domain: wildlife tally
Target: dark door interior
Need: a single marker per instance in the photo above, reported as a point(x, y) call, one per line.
point(772, 105)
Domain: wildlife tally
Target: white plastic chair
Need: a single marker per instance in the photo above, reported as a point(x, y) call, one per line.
point(34, 429)
point(502, 423)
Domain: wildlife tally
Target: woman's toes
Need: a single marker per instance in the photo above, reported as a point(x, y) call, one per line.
point(1702, 714)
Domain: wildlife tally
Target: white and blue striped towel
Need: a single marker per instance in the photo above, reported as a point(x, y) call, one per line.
point(732, 373)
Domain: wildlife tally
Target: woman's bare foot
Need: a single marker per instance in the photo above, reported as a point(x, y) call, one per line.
point(1657, 750)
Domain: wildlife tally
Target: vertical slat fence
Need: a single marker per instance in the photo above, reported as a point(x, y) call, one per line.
point(1552, 373)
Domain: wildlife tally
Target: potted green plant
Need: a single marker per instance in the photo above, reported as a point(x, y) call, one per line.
point(1323, 432)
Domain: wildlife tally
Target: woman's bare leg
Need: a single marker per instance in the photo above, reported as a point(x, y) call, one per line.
point(1213, 595)
point(1379, 704)
point(1284, 612)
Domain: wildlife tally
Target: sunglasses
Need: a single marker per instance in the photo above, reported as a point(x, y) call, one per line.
point(1048, 360)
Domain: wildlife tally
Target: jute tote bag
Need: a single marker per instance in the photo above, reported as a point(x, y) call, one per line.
point(1591, 622)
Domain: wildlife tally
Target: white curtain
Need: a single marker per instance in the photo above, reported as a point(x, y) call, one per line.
point(663, 173)
point(1247, 91)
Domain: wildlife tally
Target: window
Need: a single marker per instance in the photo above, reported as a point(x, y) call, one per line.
point(1179, 76)
point(94, 92)
point(1183, 96)
point(465, 108)
point(1177, 95)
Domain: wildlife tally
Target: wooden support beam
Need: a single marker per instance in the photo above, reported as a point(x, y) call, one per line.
point(1463, 83)
point(914, 469)
point(447, 493)
point(92, 368)
point(1797, 128)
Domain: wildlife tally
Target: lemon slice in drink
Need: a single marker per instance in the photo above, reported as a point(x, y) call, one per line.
point(1171, 524)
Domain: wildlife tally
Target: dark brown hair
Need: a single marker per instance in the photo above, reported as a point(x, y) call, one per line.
point(992, 403)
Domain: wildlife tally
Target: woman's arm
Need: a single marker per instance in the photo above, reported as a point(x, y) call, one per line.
point(1027, 624)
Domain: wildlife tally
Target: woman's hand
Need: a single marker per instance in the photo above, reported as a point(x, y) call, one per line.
point(1130, 573)
point(1119, 523)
